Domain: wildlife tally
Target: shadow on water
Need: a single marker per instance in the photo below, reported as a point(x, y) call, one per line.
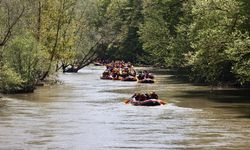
point(233, 99)
point(171, 76)
point(222, 96)
point(228, 98)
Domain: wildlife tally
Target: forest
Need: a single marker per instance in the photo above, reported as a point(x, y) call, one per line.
point(208, 38)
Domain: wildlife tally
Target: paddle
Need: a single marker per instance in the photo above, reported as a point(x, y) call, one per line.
point(126, 101)
point(162, 102)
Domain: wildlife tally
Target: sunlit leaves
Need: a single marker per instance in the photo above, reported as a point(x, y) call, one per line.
point(239, 52)
point(22, 59)
point(10, 80)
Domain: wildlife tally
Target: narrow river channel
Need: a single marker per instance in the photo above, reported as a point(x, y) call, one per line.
point(89, 114)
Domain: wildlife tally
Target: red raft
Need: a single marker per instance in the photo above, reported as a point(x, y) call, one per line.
point(129, 78)
point(148, 102)
point(147, 80)
point(106, 78)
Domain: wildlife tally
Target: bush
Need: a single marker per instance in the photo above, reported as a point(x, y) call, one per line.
point(21, 59)
point(10, 80)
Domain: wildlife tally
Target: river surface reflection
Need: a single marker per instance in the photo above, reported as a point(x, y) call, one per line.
point(88, 113)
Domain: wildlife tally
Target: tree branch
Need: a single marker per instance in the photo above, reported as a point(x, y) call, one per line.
point(11, 26)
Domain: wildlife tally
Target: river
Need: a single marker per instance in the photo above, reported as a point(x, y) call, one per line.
point(88, 113)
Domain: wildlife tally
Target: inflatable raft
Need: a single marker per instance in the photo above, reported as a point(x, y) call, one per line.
point(129, 78)
point(148, 80)
point(148, 102)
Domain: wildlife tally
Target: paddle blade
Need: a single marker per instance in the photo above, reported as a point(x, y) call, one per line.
point(126, 101)
point(162, 102)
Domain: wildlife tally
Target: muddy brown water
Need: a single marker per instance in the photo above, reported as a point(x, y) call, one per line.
point(88, 113)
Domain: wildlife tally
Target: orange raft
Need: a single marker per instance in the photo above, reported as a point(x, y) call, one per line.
point(148, 102)
point(109, 78)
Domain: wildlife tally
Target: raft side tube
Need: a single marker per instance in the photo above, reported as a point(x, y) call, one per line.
point(149, 102)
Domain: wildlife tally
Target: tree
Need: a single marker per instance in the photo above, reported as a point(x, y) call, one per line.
point(55, 38)
point(89, 38)
point(213, 28)
point(10, 14)
point(123, 18)
point(239, 53)
point(160, 34)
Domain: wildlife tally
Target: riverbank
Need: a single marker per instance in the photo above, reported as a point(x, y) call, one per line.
point(2, 101)
point(184, 75)
point(51, 80)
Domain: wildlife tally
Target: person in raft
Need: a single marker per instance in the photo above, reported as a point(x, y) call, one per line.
point(142, 97)
point(153, 95)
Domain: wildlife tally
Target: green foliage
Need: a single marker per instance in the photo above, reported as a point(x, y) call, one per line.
point(10, 80)
point(202, 35)
point(123, 18)
point(245, 11)
point(57, 30)
point(22, 63)
point(159, 32)
point(209, 36)
point(212, 29)
point(239, 52)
